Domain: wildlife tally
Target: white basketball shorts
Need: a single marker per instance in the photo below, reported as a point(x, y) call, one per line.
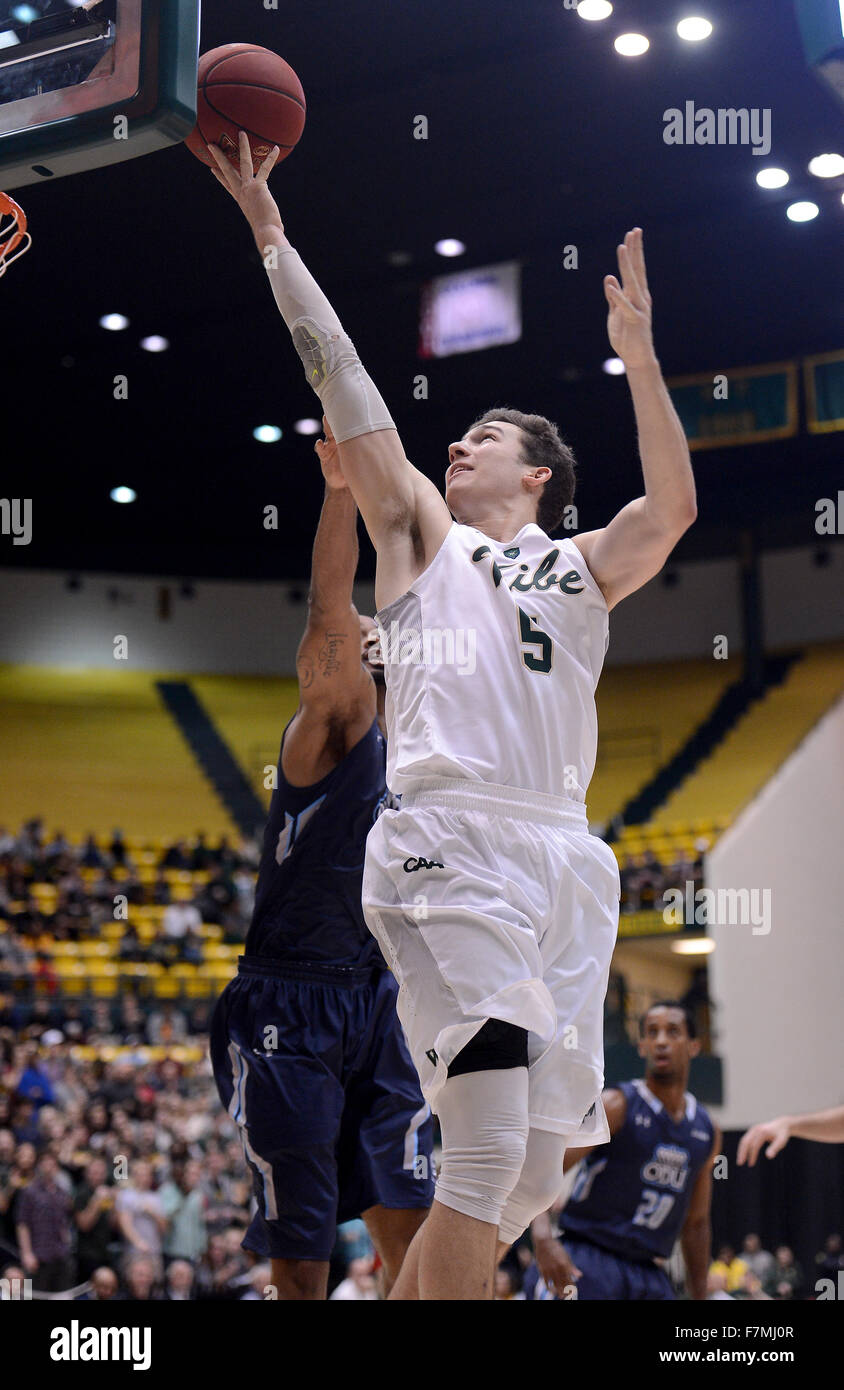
point(490, 902)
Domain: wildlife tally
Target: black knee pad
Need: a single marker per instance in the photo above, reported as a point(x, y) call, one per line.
point(495, 1047)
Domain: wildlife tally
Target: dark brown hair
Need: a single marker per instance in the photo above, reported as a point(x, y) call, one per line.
point(542, 447)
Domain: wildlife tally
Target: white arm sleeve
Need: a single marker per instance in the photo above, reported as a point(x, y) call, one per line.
point(350, 399)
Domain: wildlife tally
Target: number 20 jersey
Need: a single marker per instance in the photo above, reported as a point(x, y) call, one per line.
point(491, 660)
point(631, 1196)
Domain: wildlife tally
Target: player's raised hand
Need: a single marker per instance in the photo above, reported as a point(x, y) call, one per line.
point(629, 322)
point(775, 1133)
point(249, 189)
point(329, 457)
point(556, 1266)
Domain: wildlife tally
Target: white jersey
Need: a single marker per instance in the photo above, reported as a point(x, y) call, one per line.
point(491, 659)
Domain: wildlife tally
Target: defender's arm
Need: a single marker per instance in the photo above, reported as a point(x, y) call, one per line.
point(336, 694)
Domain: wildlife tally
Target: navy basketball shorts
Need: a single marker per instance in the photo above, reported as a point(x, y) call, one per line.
point(608, 1276)
point(312, 1065)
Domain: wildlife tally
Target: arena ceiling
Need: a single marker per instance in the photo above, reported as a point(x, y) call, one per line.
point(540, 136)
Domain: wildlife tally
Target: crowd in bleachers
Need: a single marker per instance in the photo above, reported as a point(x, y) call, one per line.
point(120, 1174)
point(645, 878)
point(107, 915)
point(104, 913)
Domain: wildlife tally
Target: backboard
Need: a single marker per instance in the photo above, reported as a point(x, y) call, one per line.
point(84, 83)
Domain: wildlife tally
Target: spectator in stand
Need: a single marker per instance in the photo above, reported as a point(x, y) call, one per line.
point(179, 919)
point(119, 1084)
point(183, 1203)
point(57, 846)
point(732, 1268)
point(359, 1283)
point(830, 1260)
point(201, 856)
point(260, 1279)
point(91, 857)
point(93, 1208)
point(17, 962)
point(751, 1289)
point(760, 1262)
point(217, 1271)
point(216, 897)
point(140, 1215)
point(506, 1288)
point(44, 1230)
point(25, 1122)
point(224, 1195)
point(142, 1275)
point(16, 1172)
point(786, 1279)
point(191, 951)
point(161, 894)
point(14, 1283)
point(118, 849)
point(179, 1282)
point(716, 1285)
point(131, 947)
point(104, 1285)
point(176, 857)
point(166, 1024)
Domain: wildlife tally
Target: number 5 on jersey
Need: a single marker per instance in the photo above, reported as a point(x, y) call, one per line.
point(531, 636)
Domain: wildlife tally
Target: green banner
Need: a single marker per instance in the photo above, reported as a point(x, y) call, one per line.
point(824, 381)
point(746, 405)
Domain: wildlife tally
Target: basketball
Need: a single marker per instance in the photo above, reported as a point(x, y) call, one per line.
point(243, 87)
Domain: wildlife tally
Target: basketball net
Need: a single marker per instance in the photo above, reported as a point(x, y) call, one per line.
point(14, 238)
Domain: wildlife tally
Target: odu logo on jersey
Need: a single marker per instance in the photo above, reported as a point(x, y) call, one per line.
point(668, 1167)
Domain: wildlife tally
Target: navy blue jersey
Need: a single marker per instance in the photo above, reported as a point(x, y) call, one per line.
point(307, 903)
point(632, 1194)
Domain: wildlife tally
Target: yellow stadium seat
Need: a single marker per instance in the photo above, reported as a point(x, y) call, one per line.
point(166, 988)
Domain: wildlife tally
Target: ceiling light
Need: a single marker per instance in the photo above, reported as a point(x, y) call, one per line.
point(267, 434)
point(826, 166)
point(772, 178)
point(614, 366)
point(631, 45)
point(693, 30)
point(450, 246)
point(123, 494)
point(802, 212)
point(594, 9)
point(114, 322)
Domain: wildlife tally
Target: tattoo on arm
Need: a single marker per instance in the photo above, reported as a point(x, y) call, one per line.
point(306, 674)
point(329, 653)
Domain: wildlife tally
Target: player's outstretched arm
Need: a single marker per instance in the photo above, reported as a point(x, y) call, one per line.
point(696, 1235)
point(824, 1127)
point(405, 515)
point(336, 694)
point(635, 545)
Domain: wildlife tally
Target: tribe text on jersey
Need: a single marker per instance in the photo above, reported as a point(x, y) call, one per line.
point(491, 661)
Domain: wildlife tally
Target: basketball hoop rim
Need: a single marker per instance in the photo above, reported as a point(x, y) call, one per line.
point(16, 239)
